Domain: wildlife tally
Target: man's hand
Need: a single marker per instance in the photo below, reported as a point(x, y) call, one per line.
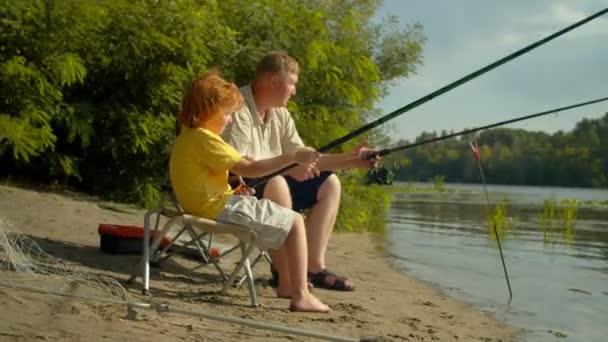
point(364, 157)
point(304, 172)
point(306, 156)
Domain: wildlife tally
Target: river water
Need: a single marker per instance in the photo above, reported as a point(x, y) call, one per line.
point(559, 281)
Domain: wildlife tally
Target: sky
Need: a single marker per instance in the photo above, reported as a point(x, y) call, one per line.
point(466, 35)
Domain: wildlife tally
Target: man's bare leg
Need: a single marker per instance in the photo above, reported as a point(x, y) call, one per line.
point(319, 226)
point(320, 222)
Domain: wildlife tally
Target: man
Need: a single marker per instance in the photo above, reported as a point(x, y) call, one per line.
point(263, 128)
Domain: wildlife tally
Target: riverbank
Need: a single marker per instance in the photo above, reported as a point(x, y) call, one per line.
point(386, 303)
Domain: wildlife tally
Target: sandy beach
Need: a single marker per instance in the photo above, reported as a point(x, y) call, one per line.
point(386, 304)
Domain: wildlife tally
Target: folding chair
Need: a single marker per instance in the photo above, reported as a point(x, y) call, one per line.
point(197, 229)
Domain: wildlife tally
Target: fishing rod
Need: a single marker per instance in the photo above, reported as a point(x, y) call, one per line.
point(475, 149)
point(472, 130)
point(436, 93)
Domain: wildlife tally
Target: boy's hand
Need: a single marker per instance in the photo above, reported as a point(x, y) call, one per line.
point(240, 187)
point(244, 191)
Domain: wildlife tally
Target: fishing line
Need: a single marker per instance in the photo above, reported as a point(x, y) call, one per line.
point(472, 130)
point(436, 93)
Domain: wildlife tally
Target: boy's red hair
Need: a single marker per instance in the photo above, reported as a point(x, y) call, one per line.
point(207, 96)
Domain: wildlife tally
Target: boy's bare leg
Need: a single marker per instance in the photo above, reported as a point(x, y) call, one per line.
point(282, 266)
point(277, 191)
point(297, 259)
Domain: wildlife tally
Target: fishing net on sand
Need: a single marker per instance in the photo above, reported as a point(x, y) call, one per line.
point(24, 265)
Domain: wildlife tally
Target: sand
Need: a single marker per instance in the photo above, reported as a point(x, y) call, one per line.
point(387, 304)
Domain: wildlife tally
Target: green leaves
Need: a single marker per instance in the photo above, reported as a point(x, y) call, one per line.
point(89, 89)
point(363, 208)
point(400, 51)
point(25, 136)
point(144, 130)
point(66, 69)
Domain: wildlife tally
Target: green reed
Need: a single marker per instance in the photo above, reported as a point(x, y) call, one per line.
point(558, 220)
point(499, 218)
point(409, 187)
point(439, 183)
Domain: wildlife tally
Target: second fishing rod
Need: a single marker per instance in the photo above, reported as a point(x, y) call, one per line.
point(387, 151)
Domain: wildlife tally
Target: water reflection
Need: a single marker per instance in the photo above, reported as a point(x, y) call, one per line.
point(458, 213)
point(559, 283)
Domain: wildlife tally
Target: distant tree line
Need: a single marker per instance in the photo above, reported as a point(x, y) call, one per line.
point(513, 156)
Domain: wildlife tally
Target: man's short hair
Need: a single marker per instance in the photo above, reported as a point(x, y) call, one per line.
point(277, 62)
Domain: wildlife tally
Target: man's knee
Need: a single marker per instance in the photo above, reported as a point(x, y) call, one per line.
point(331, 187)
point(277, 190)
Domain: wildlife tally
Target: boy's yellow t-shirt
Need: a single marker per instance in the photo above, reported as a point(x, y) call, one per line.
point(199, 166)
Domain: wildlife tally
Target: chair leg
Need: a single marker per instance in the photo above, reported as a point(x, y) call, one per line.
point(203, 250)
point(195, 239)
point(143, 265)
point(165, 254)
point(150, 250)
point(244, 262)
point(262, 255)
point(249, 274)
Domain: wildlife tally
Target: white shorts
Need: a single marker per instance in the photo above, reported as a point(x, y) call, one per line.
point(270, 221)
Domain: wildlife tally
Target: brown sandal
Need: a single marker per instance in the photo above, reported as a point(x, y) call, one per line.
point(319, 279)
point(274, 280)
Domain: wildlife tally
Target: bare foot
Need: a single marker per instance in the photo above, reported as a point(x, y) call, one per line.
point(285, 292)
point(308, 303)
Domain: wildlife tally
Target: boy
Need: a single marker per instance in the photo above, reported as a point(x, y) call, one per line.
point(200, 162)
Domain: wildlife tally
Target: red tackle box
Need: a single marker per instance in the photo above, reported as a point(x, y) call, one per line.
point(121, 239)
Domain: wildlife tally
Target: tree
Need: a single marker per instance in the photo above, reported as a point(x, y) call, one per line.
point(516, 156)
point(91, 88)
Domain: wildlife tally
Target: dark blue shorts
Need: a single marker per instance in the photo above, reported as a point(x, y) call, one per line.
point(303, 194)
